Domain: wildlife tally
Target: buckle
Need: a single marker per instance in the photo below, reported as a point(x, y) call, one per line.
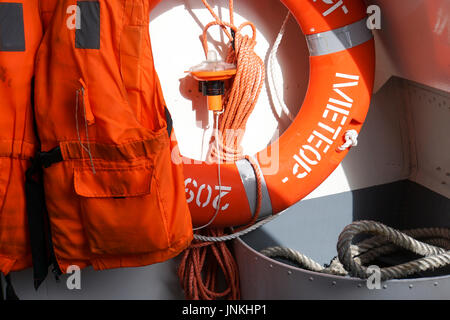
point(49, 158)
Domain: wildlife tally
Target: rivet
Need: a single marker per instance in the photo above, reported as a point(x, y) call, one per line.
point(333, 283)
point(256, 258)
point(385, 286)
point(271, 265)
point(359, 285)
point(411, 286)
point(435, 284)
point(289, 272)
point(311, 279)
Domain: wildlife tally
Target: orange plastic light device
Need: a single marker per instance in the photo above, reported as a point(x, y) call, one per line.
point(212, 73)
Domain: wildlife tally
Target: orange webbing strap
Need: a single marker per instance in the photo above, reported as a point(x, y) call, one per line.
point(200, 262)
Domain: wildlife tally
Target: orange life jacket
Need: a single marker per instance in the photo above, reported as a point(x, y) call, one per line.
point(20, 35)
point(113, 194)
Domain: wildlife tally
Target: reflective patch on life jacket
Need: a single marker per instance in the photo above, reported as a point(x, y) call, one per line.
point(12, 35)
point(88, 35)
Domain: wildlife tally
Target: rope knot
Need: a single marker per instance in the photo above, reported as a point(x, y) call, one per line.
point(351, 140)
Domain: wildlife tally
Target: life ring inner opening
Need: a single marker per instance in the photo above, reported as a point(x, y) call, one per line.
point(193, 125)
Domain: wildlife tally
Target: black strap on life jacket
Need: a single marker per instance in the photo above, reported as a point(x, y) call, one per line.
point(10, 294)
point(38, 220)
point(169, 122)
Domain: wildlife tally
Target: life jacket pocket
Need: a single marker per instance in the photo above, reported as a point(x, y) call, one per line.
point(121, 208)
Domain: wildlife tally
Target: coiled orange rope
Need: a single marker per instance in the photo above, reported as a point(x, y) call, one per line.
point(200, 263)
point(198, 270)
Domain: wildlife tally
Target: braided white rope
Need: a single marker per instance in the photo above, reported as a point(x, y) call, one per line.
point(272, 75)
point(219, 177)
point(351, 140)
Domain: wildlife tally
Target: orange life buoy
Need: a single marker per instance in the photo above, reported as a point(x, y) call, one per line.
point(342, 63)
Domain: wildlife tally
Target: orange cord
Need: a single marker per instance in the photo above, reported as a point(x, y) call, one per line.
point(200, 262)
point(202, 259)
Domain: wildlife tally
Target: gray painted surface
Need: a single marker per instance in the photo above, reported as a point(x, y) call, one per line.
point(155, 282)
point(313, 226)
point(265, 279)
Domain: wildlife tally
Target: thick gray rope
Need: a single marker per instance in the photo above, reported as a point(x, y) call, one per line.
point(433, 257)
point(281, 252)
point(351, 258)
point(370, 249)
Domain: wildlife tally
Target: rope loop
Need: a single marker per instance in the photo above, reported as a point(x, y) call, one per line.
point(434, 257)
point(245, 24)
point(223, 25)
point(353, 258)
